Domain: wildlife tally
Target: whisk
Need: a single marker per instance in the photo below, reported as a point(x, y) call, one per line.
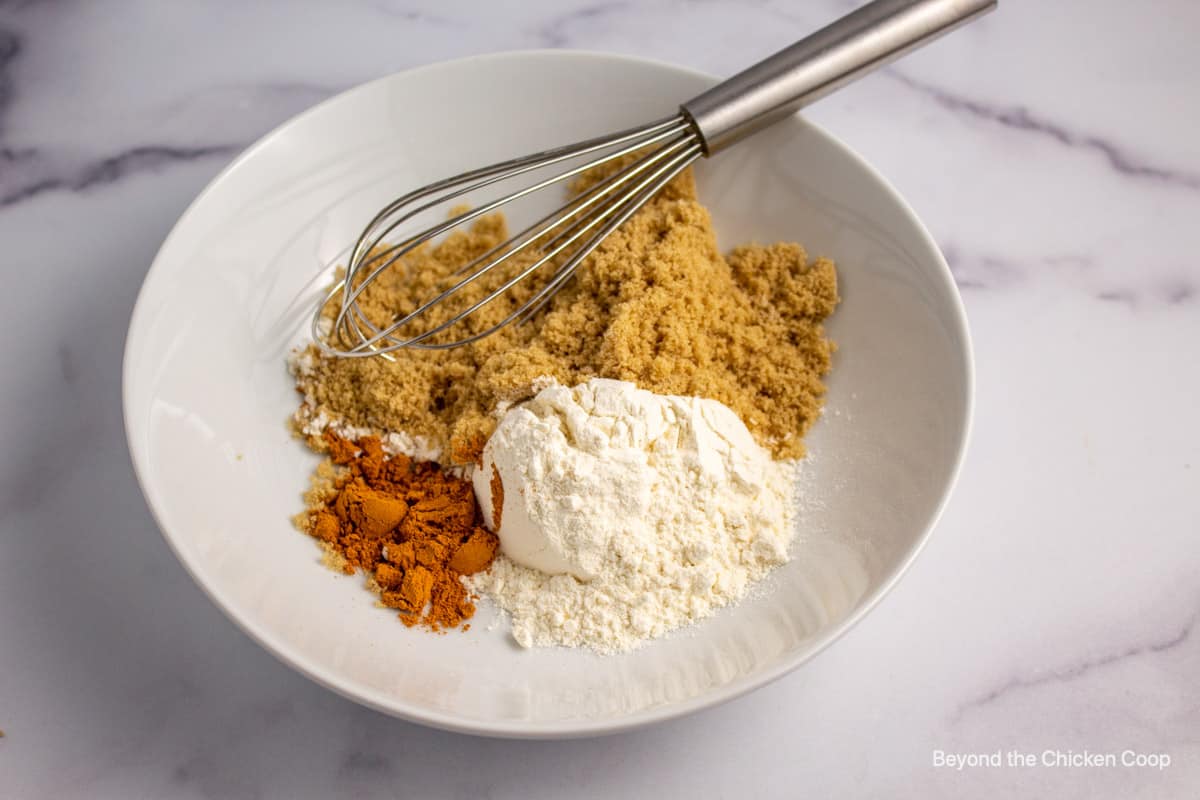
point(558, 243)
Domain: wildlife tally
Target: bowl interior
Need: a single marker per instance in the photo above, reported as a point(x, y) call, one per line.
point(207, 392)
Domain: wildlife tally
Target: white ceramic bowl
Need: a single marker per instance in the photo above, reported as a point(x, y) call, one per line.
point(207, 393)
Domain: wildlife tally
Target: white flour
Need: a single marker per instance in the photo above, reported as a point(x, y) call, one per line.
point(666, 505)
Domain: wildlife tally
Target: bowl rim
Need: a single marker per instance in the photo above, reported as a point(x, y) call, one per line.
point(517, 729)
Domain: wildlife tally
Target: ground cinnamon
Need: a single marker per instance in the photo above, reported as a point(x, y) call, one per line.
point(413, 528)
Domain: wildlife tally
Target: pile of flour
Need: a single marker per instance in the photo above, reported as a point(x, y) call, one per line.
point(654, 510)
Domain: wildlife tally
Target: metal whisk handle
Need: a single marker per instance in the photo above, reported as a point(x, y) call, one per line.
point(859, 42)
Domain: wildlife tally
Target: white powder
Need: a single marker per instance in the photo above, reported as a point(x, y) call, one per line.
point(655, 510)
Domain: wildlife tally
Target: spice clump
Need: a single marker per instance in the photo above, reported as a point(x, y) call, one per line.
point(657, 304)
point(414, 529)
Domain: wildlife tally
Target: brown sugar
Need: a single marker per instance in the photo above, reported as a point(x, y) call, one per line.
point(656, 304)
point(413, 528)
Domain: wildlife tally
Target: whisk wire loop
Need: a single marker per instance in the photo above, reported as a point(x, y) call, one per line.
point(621, 211)
point(552, 248)
point(350, 333)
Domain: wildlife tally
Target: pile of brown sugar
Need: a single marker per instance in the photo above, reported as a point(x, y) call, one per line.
point(413, 528)
point(656, 304)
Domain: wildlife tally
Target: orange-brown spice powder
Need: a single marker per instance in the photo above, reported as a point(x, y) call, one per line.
point(413, 528)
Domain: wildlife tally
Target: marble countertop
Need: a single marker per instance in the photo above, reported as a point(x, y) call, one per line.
point(1053, 149)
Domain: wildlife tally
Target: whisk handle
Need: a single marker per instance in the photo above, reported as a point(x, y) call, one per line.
point(854, 45)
